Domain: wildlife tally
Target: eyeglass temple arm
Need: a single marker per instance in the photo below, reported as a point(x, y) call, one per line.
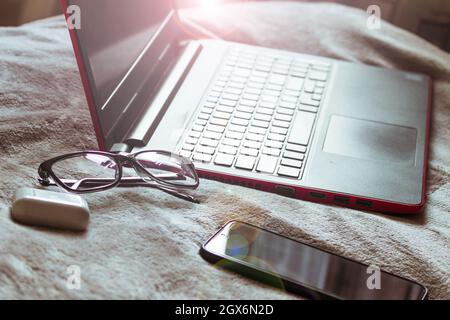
point(126, 182)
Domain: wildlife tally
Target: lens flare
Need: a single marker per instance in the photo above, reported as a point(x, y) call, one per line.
point(196, 20)
point(208, 4)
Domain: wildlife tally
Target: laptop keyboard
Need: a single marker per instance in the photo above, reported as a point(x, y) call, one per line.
point(259, 113)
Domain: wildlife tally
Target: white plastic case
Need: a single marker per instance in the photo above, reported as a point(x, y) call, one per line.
point(50, 209)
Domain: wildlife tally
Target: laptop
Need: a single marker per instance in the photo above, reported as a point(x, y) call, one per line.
point(303, 126)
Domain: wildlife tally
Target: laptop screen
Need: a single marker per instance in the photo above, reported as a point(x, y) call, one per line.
point(113, 37)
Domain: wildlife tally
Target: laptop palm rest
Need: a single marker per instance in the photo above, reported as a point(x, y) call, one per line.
point(370, 140)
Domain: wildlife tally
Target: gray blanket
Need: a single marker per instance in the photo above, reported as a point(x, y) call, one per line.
point(142, 243)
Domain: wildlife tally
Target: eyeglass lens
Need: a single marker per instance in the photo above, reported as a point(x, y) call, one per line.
point(86, 171)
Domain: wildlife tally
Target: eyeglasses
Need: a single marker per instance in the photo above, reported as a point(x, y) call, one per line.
point(94, 171)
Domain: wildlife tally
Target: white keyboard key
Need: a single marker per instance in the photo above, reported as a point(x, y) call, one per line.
point(204, 116)
point(186, 154)
point(277, 130)
point(219, 122)
point(293, 93)
point(257, 130)
point(252, 144)
point(206, 150)
point(296, 148)
point(288, 105)
point(240, 129)
point(294, 84)
point(308, 100)
point(318, 90)
point(188, 147)
point(318, 75)
point(276, 137)
point(228, 149)
point(208, 110)
point(206, 158)
point(274, 87)
point(289, 172)
point(215, 128)
point(273, 93)
point(311, 109)
point(222, 115)
point(201, 122)
point(263, 117)
point(225, 109)
point(233, 91)
point(268, 98)
point(191, 140)
point(292, 163)
point(271, 151)
point(252, 97)
point(243, 115)
point(267, 164)
point(249, 152)
point(277, 79)
point(230, 96)
point(288, 112)
point(267, 104)
point(255, 137)
point(265, 111)
point(236, 85)
point(228, 103)
point(220, 83)
point(290, 99)
point(274, 144)
point(198, 128)
point(294, 155)
point(231, 142)
point(208, 142)
point(241, 72)
point(283, 117)
point(257, 79)
point(261, 124)
point(256, 85)
point(195, 134)
point(281, 124)
point(253, 91)
point(246, 109)
point(245, 162)
point(234, 135)
point(224, 160)
point(302, 128)
point(309, 86)
point(240, 122)
point(212, 135)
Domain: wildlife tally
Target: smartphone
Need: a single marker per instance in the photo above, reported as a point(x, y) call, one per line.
point(301, 268)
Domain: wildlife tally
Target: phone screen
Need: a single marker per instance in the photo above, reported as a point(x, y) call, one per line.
point(309, 267)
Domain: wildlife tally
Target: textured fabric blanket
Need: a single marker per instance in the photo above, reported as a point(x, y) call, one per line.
point(142, 243)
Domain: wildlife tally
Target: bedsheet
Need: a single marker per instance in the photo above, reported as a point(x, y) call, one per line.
point(144, 244)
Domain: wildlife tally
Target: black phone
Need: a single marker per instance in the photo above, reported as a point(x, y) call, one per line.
point(301, 268)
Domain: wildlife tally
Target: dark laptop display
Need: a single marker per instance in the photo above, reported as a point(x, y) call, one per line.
point(114, 37)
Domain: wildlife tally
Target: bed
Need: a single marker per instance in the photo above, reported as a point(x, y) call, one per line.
point(143, 244)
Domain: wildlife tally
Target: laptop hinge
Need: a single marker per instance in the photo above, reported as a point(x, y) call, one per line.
point(140, 134)
point(121, 147)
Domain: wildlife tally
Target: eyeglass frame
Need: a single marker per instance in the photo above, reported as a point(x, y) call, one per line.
point(45, 170)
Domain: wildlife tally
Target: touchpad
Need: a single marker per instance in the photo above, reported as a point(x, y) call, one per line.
point(370, 140)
